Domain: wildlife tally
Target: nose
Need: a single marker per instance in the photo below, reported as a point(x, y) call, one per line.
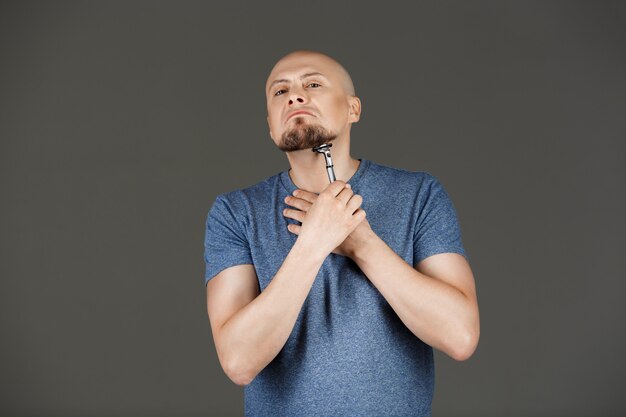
point(298, 99)
point(295, 95)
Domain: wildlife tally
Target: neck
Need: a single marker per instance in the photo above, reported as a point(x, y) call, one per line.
point(308, 168)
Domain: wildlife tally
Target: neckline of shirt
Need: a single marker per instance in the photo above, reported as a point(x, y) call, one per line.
point(288, 184)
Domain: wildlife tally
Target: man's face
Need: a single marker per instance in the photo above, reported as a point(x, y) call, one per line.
point(307, 104)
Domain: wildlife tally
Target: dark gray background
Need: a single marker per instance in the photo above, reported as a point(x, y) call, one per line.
point(121, 121)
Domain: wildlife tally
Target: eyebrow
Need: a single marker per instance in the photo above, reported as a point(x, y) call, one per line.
point(283, 80)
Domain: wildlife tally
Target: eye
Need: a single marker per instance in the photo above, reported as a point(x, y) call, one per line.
point(310, 84)
point(279, 91)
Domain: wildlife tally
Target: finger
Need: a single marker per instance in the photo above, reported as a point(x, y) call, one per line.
point(334, 188)
point(305, 195)
point(298, 203)
point(354, 203)
point(294, 228)
point(345, 194)
point(359, 215)
point(294, 214)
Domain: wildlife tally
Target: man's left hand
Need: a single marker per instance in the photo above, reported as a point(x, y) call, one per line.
point(302, 201)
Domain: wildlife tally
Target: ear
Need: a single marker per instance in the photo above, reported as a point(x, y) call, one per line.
point(355, 109)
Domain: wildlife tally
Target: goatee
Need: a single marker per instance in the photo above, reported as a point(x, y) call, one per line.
point(304, 136)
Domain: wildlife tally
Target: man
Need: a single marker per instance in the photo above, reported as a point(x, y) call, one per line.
point(327, 299)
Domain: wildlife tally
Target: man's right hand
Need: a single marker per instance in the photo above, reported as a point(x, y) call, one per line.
point(331, 218)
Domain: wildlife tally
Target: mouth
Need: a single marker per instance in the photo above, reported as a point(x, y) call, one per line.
point(299, 113)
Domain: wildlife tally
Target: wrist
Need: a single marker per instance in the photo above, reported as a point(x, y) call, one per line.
point(362, 245)
point(311, 249)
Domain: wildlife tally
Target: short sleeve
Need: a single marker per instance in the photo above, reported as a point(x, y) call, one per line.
point(437, 229)
point(225, 243)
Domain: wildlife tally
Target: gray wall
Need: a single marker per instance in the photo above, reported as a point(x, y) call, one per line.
point(121, 121)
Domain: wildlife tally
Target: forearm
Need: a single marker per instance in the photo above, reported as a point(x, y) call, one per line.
point(436, 312)
point(253, 336)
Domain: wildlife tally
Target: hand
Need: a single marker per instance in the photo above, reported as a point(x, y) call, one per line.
point(304, 201)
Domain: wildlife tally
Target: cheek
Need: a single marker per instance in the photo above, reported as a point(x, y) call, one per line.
point(340, 110)
point(274, 123)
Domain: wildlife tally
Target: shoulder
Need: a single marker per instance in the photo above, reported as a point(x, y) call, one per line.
point(245, 199)
point(408, 179)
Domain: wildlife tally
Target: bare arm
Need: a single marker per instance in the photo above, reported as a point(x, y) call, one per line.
point(251, 337)
point(250, 329)
point(436, 299)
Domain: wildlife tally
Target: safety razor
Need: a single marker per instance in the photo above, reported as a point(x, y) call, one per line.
point(325, 150)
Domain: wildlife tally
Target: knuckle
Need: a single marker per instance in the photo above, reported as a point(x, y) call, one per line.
point(339, 185)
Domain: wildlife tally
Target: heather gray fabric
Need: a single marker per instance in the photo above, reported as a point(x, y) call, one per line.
point(348, 354)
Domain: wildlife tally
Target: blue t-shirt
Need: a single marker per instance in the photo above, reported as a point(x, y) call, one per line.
point(348, 354)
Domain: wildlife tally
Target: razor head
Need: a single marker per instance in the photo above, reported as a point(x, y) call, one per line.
point(322, 148)
point(325, 150)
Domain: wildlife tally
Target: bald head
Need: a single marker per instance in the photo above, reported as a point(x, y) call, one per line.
point(340, 73)
point(310, 101)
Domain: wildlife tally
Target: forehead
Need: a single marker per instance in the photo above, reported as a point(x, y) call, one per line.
point(298, 65)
